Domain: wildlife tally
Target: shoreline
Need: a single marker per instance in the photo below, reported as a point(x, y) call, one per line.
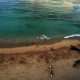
point(40, 47)
point(13, 44)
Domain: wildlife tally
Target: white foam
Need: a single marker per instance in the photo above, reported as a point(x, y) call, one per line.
point(71, 36)
point(42, 37)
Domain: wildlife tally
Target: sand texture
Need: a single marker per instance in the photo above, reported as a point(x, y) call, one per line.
point(32, 62)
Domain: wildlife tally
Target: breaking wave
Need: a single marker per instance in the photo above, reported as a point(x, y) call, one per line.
point(72, 36)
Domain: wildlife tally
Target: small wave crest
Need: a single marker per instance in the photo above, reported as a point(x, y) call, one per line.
point(72, 36)
point(43, 37)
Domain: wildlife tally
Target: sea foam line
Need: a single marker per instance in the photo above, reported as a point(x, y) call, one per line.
point(73, 35)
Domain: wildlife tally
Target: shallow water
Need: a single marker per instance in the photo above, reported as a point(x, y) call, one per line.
point(20, 20)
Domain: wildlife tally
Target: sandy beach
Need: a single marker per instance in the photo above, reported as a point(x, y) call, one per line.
point(37, 47)
point(39, 39)
point(32, 62)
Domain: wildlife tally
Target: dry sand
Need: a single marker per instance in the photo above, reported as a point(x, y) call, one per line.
point(32, 62)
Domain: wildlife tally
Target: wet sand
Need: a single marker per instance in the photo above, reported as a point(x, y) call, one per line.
point(32, 62)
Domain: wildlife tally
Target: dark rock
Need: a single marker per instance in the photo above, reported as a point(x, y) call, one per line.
point(76, 64)
point(74, 48)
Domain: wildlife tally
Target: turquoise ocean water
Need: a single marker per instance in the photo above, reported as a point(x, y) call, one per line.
point(20, 20)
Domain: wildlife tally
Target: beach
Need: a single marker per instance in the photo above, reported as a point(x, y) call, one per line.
point(31, 62)
point(36, 46)
point(39, 40)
